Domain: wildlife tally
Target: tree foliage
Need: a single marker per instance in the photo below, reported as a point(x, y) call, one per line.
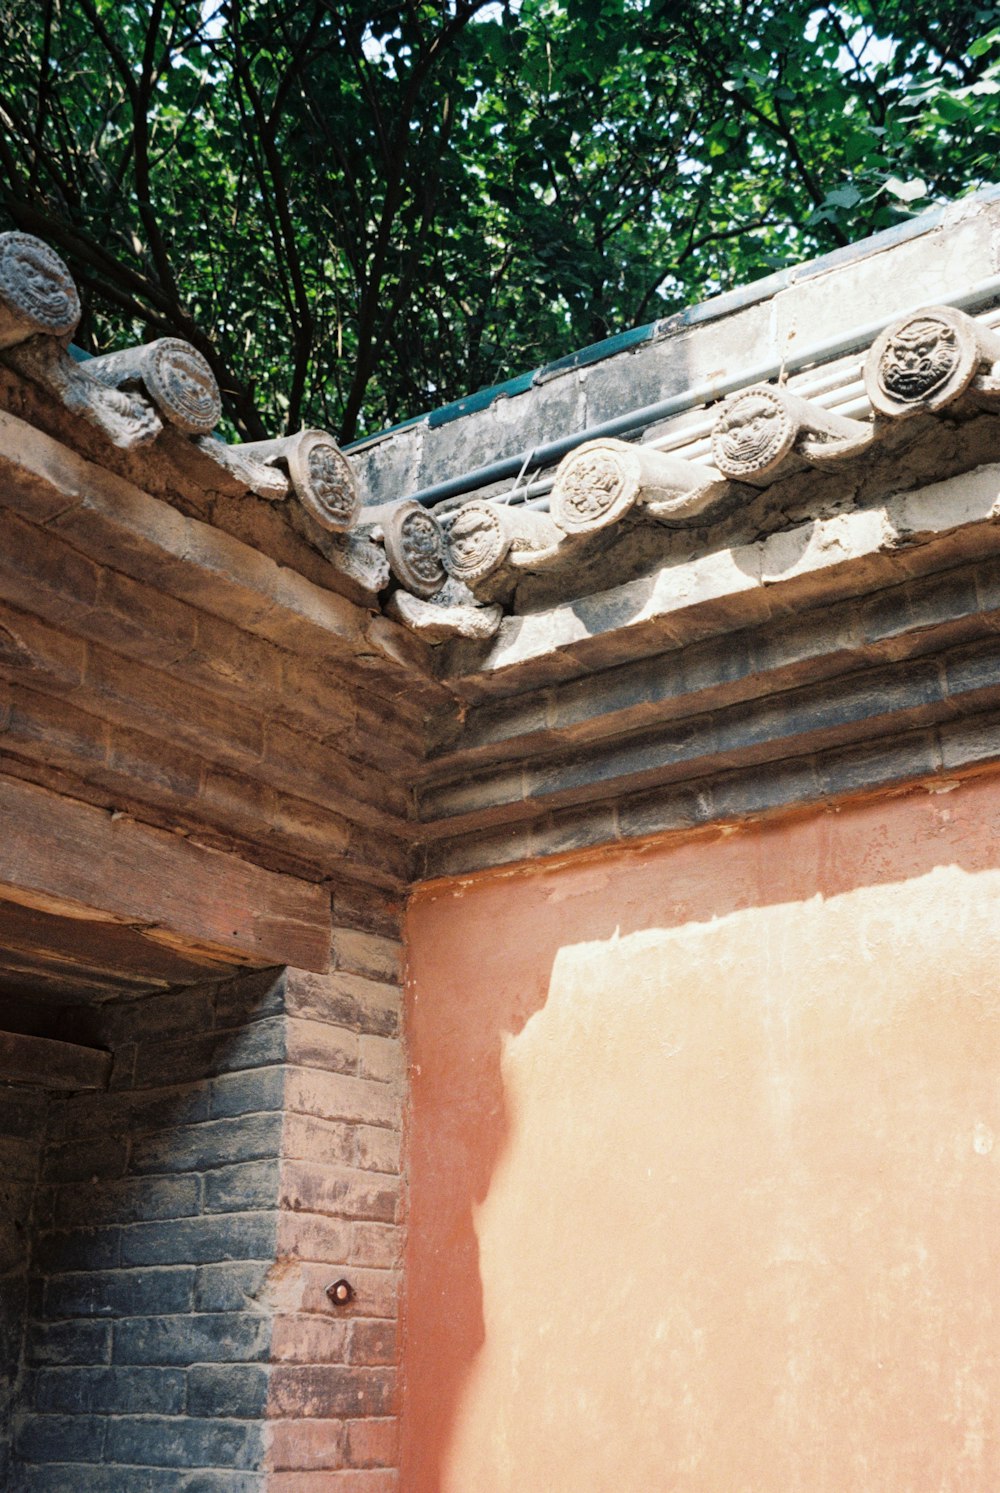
point(359, 211)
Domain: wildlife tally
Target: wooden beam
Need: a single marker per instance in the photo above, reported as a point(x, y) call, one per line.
point(101, 954)
point(70, 858)
point(48, 1064)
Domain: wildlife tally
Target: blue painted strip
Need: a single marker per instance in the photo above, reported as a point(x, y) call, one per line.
point(480, 400)
point(596, 352)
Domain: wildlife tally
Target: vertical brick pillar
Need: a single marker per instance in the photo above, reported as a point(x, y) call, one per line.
point(332, 1396)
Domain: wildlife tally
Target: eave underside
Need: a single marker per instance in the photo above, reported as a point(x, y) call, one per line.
point(180, 704)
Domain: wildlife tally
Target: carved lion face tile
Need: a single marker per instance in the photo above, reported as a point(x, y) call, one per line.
point(918, 358)
point(183, 385)
point(37, 286)
point(476, 544)
point(923, 361)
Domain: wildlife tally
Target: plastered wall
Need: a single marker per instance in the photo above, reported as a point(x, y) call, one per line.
point(703, 1152)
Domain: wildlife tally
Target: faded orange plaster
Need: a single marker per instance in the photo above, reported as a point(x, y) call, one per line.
point(703, 1189)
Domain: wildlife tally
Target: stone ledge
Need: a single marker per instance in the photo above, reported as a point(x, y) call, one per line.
point(834, 657)
point(809, 564)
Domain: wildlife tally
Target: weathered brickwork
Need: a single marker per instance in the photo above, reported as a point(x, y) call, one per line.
point(333, 1383)
point(186, 1226)
point(220, 751)
point(22, 1127)
point(155, 1227)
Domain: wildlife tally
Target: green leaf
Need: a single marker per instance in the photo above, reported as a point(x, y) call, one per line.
point(907, 191)
point(950, 109)
point(858, 146)
point(984, 44)
point(843, 197)
point(586, 142)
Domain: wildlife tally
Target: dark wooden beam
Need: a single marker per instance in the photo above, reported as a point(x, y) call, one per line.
point(70, 858)
point(83, 956)
point(48, 1064)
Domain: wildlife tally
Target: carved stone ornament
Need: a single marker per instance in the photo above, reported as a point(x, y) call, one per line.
point(414, 542)
point(476, 542)
point(246, 469)
point(599, 482)
point(37, 293)
point(926, 360)
point(321, 475)
point(438, 622)
point(484, 536)
point(357, 555)
point(753, 433)
point(126, 419)
point(761, 427)
point(175, 376)
point(323, 480)
point(594, 487)
point(535, 541)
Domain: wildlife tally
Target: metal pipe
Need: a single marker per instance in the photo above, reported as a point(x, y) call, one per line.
point(712, 389)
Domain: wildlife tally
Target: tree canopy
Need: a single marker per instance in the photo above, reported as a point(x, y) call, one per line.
point(358, 211)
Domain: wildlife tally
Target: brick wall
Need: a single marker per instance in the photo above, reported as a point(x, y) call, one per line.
point(22, 1128)
point(187, 1225)
point(332, 1392)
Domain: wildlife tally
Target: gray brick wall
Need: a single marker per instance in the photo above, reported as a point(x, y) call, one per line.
point(167, 1322)
point(22, 1127)
point(149, 1328)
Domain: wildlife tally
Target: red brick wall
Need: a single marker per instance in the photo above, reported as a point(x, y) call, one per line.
point(333, 1391)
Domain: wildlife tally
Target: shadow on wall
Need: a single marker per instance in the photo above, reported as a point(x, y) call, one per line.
point(153, 1231)
point(701, 1157)
point(22, 1133)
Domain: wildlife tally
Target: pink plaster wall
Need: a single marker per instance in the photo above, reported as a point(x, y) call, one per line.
point(702, 1163)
